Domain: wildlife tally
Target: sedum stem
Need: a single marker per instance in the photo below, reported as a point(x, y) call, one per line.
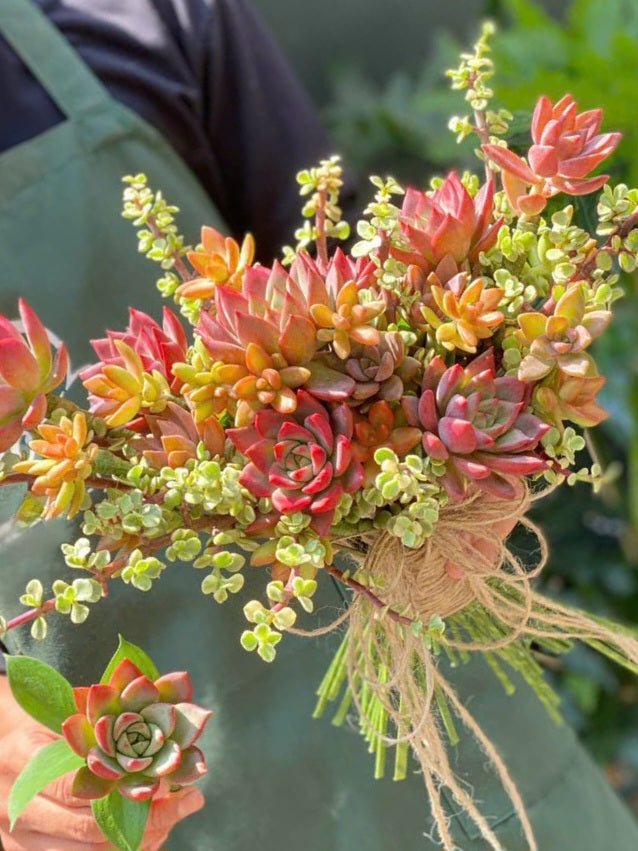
point(361, 589)
point(148, 547)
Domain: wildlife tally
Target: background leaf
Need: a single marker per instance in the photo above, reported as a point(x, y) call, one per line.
point(41, 691)
point(47, 765)
point(122, 821)
point(136, 655)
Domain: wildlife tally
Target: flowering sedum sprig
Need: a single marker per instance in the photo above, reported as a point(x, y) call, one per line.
point(472, 76)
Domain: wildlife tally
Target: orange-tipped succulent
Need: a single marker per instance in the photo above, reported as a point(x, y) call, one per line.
point(207, 383)
point(567, 148)
point(280, 311)
point(121, 388)
point(348, 321)
point(467, 313)
point(379, 427)
point(28, 371)
point(67, 461)
point(218, 260)
point(573, 398)
point(175, 436)
point(157, 346)
point(270, 381)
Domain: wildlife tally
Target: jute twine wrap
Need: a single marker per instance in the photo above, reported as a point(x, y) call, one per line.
point(466, 561)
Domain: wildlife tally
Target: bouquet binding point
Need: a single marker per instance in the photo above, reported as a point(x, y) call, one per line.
point(384, 414)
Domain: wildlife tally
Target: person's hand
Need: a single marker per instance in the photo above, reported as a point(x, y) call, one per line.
point(56, 820)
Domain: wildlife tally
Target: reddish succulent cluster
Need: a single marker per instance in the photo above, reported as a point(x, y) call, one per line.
point(476, 423)
point(447, 223)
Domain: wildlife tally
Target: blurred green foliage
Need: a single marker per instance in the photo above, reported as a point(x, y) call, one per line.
point(401, 128)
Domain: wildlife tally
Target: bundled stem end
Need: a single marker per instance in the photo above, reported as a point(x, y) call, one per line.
point(390, 672)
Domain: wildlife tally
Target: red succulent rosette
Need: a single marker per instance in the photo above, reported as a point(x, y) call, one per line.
point(303, 462)
point(135, 733)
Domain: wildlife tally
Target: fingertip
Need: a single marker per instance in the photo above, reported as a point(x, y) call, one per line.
point(154, 840)
point(174, 807)
point(191, 802)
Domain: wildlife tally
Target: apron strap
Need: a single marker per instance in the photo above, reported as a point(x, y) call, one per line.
point(50, 58)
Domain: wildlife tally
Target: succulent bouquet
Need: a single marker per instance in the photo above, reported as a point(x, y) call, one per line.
point(383, 414)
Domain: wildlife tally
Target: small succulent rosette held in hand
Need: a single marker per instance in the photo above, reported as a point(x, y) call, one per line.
point(383, 414)
point(129, 738)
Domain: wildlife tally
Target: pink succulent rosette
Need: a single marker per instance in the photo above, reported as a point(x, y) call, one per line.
point(28, 371)
point(447, 223)
point(567, 148)
point(136, 735)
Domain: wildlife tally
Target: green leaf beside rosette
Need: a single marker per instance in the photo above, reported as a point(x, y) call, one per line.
point(122, 821)
point(41, 691)
point(127, 650)
point(47, 765)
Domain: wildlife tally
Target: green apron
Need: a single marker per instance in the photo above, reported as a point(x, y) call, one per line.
point(277, 778)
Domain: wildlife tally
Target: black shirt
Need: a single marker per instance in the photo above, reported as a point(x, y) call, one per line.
point(208, 76)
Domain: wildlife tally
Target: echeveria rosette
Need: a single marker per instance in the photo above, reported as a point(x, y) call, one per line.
point(381, 372)
point(303, 462)
point(28, 371)
point(476, 423)
point(136, 735)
